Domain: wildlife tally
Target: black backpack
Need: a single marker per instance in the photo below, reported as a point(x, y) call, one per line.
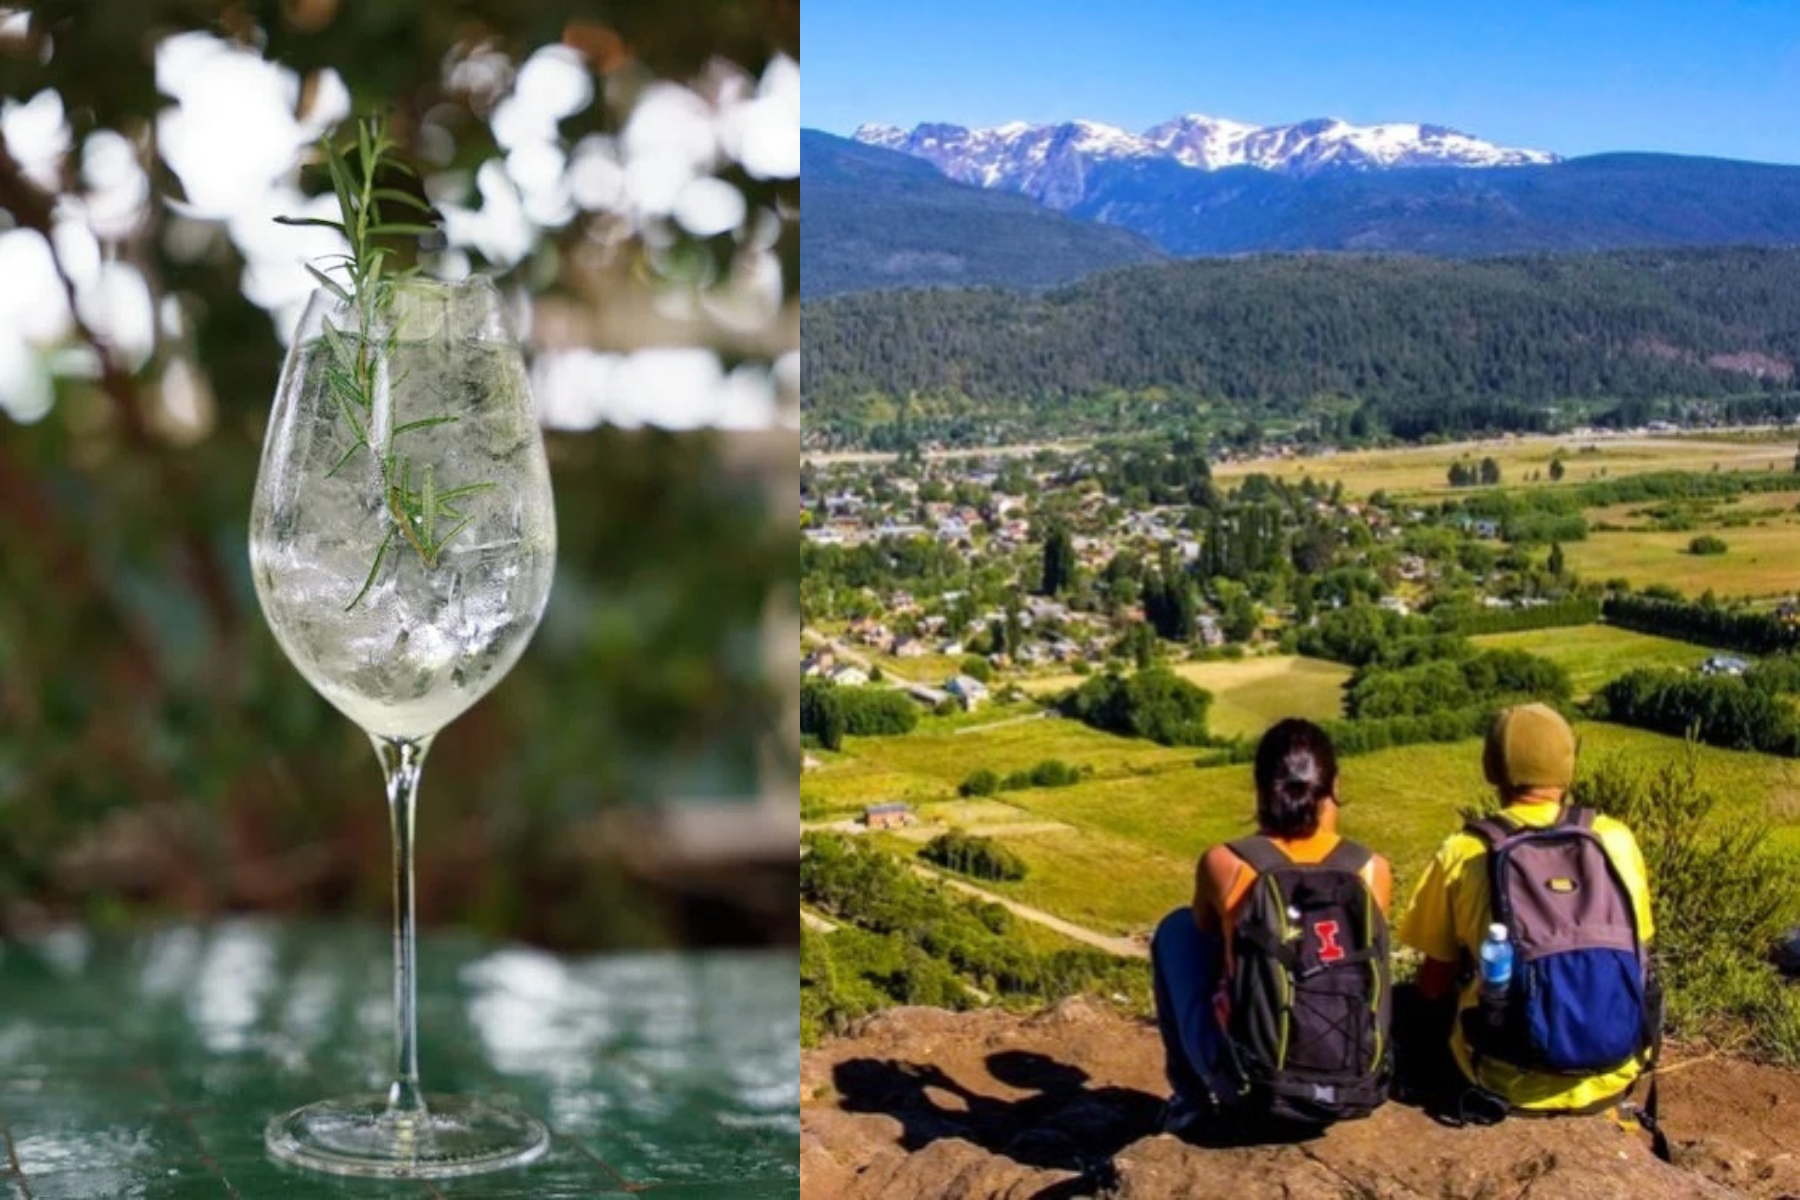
point(1581, 1000)
point(1310, 993)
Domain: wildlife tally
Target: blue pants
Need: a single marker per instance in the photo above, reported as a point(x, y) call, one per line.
point(1185, 965)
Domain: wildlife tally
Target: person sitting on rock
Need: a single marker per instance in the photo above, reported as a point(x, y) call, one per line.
point(1227, 968)
point(1560, 1011)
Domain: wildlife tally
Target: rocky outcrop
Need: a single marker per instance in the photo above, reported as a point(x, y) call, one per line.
point(921, 1103)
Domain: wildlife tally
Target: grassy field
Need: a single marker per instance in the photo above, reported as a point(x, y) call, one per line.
point(1424, 469)
point(1117, 852)
point(1250, 694)
point(1596, 654)
point(1762, 560)
point(1754, 506)
point(929, 763)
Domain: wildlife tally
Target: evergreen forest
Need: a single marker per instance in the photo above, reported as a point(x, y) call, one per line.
point(1349, 347)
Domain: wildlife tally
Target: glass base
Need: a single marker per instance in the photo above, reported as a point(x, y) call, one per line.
point(359, 1135)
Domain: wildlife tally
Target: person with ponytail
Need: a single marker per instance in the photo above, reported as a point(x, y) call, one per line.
point(1192, 952)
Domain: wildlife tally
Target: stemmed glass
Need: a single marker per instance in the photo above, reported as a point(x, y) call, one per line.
point(402, 541)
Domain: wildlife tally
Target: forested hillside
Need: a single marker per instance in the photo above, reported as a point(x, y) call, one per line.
point(1413, 346)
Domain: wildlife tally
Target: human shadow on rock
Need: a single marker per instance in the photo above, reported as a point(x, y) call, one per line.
point(1063, 1124)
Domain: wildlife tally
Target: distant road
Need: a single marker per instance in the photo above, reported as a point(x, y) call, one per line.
point(869, 456)
point(1121, 947)
point(1636, 441)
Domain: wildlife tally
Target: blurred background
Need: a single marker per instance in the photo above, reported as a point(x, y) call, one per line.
point(629, 170)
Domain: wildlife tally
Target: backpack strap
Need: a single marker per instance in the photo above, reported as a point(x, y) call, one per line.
point(1259, 853)
point(1348, 856)
point(1491, 830)
point(1578, 818)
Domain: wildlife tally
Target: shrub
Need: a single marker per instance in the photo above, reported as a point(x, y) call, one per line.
point(822, 714)
point(977, 668)
point(1358, 633)
point(1154, 703)
point(1484, 677)
point(1720, 895)
point(978, 857)
point(877, 712)
point(1706, 543)
point(981, 782)
point(1051, 773)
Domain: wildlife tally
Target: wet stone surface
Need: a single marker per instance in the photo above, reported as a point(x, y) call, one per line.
point(145, 1066)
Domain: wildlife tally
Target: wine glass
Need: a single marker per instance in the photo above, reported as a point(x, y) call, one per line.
point(402, 541)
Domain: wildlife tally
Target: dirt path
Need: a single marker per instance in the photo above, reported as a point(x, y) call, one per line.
point(1046, 715)
point(1122, 947)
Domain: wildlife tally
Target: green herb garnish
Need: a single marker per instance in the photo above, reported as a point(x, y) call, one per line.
point(424, 516)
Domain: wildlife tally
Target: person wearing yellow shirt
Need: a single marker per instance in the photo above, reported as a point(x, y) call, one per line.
point(1529, 757)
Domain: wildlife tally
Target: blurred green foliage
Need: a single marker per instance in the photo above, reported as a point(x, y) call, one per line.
point(157, 752)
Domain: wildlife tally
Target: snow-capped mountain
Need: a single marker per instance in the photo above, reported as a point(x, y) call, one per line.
point(1053, 163)
point(1049, 163)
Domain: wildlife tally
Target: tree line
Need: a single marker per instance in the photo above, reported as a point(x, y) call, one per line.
point(1419, 346)
point(829, 713)
point(1737, 712)
point(1708, 624)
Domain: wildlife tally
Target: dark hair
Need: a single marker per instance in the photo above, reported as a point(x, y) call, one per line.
point(1296, 769)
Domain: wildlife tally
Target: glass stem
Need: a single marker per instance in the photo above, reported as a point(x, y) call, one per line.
point(401, 761)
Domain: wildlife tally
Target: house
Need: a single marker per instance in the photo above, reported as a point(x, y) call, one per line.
point(1724, 664)
point(909, 647)
point(819, 662)
point(953, 529)
point(891, 815)
point(972, 692)
point(871, 632)
point(849, 676)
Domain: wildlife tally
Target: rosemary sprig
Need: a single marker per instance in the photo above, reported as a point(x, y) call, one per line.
point(421, 514)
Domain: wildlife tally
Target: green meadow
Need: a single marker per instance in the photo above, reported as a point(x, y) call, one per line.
point(1595, 654)
point(1117, 851)
point(1249, 694)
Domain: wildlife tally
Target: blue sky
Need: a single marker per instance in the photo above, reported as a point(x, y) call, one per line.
point(1717, 77)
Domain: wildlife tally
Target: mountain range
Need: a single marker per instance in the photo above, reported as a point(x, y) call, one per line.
point(878, 219)
point(1196, 186)
point(1048, 162)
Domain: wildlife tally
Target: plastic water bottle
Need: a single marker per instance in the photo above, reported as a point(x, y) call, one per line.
point(1496, 957)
